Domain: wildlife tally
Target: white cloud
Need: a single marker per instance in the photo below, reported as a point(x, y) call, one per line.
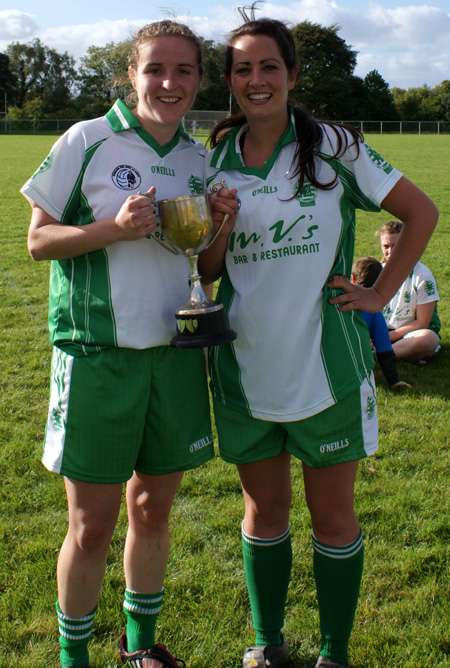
point(16, 26)
point(404, 28)
point(77, 38)
point(408, 45)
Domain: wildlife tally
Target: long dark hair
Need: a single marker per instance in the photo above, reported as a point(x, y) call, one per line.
point(309, 130)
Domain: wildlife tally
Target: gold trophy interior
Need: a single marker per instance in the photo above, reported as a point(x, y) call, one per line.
point(186, 222)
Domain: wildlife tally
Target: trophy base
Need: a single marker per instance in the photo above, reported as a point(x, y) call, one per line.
point(202, 328)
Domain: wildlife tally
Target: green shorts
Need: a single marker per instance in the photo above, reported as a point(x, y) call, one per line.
point(122, 410)
point(346, 431)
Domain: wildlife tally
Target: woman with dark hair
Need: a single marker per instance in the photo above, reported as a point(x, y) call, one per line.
point(298, 379)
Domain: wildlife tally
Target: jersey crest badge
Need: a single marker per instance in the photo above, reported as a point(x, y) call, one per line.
point(377, 160)
point(45, 165)
point(370, 408)
point(195, 185)
point(126, 177)
point(306, 196)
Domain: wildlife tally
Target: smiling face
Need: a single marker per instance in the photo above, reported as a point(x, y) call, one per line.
point(388, 242)
point(166, 80)
point(260, 79)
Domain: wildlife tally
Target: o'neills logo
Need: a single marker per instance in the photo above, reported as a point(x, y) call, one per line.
point(336, 445)
point(167, 171)
point(202, 443)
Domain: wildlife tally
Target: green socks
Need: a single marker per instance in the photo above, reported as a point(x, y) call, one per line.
point(267, 563)
point(338, 572)
point(74, 635)
point(142, 612)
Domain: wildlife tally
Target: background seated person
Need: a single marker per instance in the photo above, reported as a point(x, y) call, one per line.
point(411, 315)
point(365, 272)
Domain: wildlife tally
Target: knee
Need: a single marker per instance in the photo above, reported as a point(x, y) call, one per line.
point(151, 516)
point(417, 345)
point(92, 537)
point(269, 516)
point(336, 529)
point(429, 342)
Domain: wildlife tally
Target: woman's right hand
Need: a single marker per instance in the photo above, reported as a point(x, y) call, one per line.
point(136, 217)
point(49, 239)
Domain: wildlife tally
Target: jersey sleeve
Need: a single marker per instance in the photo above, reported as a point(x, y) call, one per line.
point(365, 175)
point(426, 286)
point(53, 182)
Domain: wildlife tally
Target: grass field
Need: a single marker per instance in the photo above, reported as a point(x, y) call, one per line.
point(402, 495)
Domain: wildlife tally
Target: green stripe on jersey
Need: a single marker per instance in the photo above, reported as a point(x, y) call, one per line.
point(227, 382)
point(80, 290)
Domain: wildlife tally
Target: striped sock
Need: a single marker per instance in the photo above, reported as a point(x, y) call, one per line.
point(267, 563)
point(74, 635)
point(338, 572)
point(142, 612)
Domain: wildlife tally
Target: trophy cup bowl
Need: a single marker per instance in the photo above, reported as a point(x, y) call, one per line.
point(186, 222)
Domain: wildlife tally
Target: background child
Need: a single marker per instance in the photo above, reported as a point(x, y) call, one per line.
point(365, 272)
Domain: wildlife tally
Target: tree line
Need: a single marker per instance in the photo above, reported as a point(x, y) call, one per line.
point(38, 82)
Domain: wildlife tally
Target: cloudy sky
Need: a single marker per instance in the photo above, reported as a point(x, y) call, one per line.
point(407, 41)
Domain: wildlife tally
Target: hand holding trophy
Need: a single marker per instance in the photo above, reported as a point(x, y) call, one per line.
point(187, 223)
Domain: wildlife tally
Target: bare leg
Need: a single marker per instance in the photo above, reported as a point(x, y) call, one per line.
point(149, 500)
point(267, 492)
point(330, 498)
point(93, 513)
point(417, 345)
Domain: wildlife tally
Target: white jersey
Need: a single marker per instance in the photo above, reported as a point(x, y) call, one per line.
point(295, 354)
point(419, 288)
point(123, 295)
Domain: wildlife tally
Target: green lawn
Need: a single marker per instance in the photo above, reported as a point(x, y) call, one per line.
point(403, 619)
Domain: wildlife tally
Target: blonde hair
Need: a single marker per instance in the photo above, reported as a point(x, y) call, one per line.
point(391, 227)
point(162, 29)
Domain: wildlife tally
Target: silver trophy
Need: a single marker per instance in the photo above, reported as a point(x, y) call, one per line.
point(186, 223)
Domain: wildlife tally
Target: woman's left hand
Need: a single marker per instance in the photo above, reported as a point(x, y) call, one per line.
point(354, 296)
point(222, 203)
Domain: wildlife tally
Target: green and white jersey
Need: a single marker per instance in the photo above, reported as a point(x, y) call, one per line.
point(123, 295)
point(295, 354)
point(419, 288)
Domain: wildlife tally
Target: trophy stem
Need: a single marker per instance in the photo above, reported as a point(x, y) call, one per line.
point(198, 298)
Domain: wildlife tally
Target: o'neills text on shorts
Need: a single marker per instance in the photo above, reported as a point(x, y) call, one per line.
point(336, 445)
point(202, 443)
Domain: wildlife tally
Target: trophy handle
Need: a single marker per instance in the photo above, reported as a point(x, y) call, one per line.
point(215, 187)
point(151, 197)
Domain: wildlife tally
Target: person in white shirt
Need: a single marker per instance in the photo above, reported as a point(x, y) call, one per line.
point(412, 314)
point(125, 406)
point(297, 381)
